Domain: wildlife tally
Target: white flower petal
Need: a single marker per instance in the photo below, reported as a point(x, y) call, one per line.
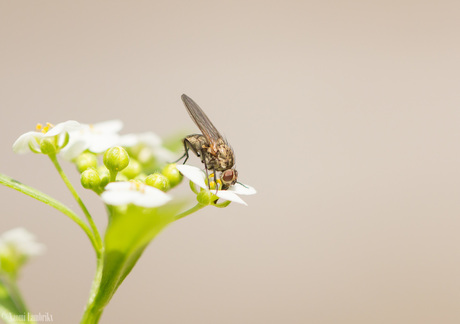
point(150, 139)
point(109, 126)
point(17, 235)
point(99, 143)
point(21, 145)
point(242, 189)
point(198, 177)
point(152, 197)
point(67, 126)
point(96, 138)
point(195, 174)
point(119, 186)
point(129, 140)
point(118, 197)
point(21, 241)
point(125, 192)
point(228, 195)
point(73, 149)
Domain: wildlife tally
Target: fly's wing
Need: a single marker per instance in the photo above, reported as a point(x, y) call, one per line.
point(201, 120)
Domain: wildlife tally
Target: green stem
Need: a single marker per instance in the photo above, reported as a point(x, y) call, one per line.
point(92, 312)
point(14, 305)
point(190, 211)
point(19, 301)
point(36, 194)
point(113, 175)
point(79, 201)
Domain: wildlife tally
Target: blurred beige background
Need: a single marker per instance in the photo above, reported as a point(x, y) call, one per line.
point(344, 115)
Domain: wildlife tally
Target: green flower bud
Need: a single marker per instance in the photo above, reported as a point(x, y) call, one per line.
point(116, 159)
point(132, 170)
point(104, 174)
point(85, 161)
point(206, 197)
point(159, 181)
point(174, 176)
point(9, 261)
point(48, 145)
point(90, 179)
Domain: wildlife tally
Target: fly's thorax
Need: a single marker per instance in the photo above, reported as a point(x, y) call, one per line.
point(224, 158)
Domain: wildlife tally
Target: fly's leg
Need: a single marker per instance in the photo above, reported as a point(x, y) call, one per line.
point(185, 154)
point(203, 160)
point(187, 146)
point(215, 181)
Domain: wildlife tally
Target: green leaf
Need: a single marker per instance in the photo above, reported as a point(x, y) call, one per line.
point(32, 192)
point(40, 196)
point(128, 233)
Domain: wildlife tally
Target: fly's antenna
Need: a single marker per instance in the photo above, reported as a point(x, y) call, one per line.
point(242, 184)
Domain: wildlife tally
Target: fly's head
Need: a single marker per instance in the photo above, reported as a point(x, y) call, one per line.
point(229, 178)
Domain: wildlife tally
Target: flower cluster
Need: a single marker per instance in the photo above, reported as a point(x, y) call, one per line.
point(46, 139)
point(132, 163)
point(16, 247)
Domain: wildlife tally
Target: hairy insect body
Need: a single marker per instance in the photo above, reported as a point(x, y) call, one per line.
point(219, 158)
point(214, 151)
point(224, 159)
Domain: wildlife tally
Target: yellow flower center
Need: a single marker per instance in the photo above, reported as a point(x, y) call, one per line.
point(212, 183)
point(44, 129)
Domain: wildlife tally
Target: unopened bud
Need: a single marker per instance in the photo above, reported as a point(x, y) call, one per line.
point(116, 159)
point(132, 170)
point(90, 179)
point(85, 161)
point(158, 181)
point(206, 197)
point(174, 176)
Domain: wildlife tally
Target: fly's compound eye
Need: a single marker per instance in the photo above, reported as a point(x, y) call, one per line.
point(229, 177)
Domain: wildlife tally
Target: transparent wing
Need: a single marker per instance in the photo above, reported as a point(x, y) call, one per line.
point(201, 120)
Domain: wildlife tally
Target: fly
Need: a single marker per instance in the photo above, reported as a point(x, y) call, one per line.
point(210, 146)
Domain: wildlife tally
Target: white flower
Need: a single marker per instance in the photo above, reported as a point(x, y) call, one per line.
point(20, 242)
point(30, 141)
point(96, 138)
point(198, 177)
point(152, 141)
point(133, 192)
point(148, 138)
